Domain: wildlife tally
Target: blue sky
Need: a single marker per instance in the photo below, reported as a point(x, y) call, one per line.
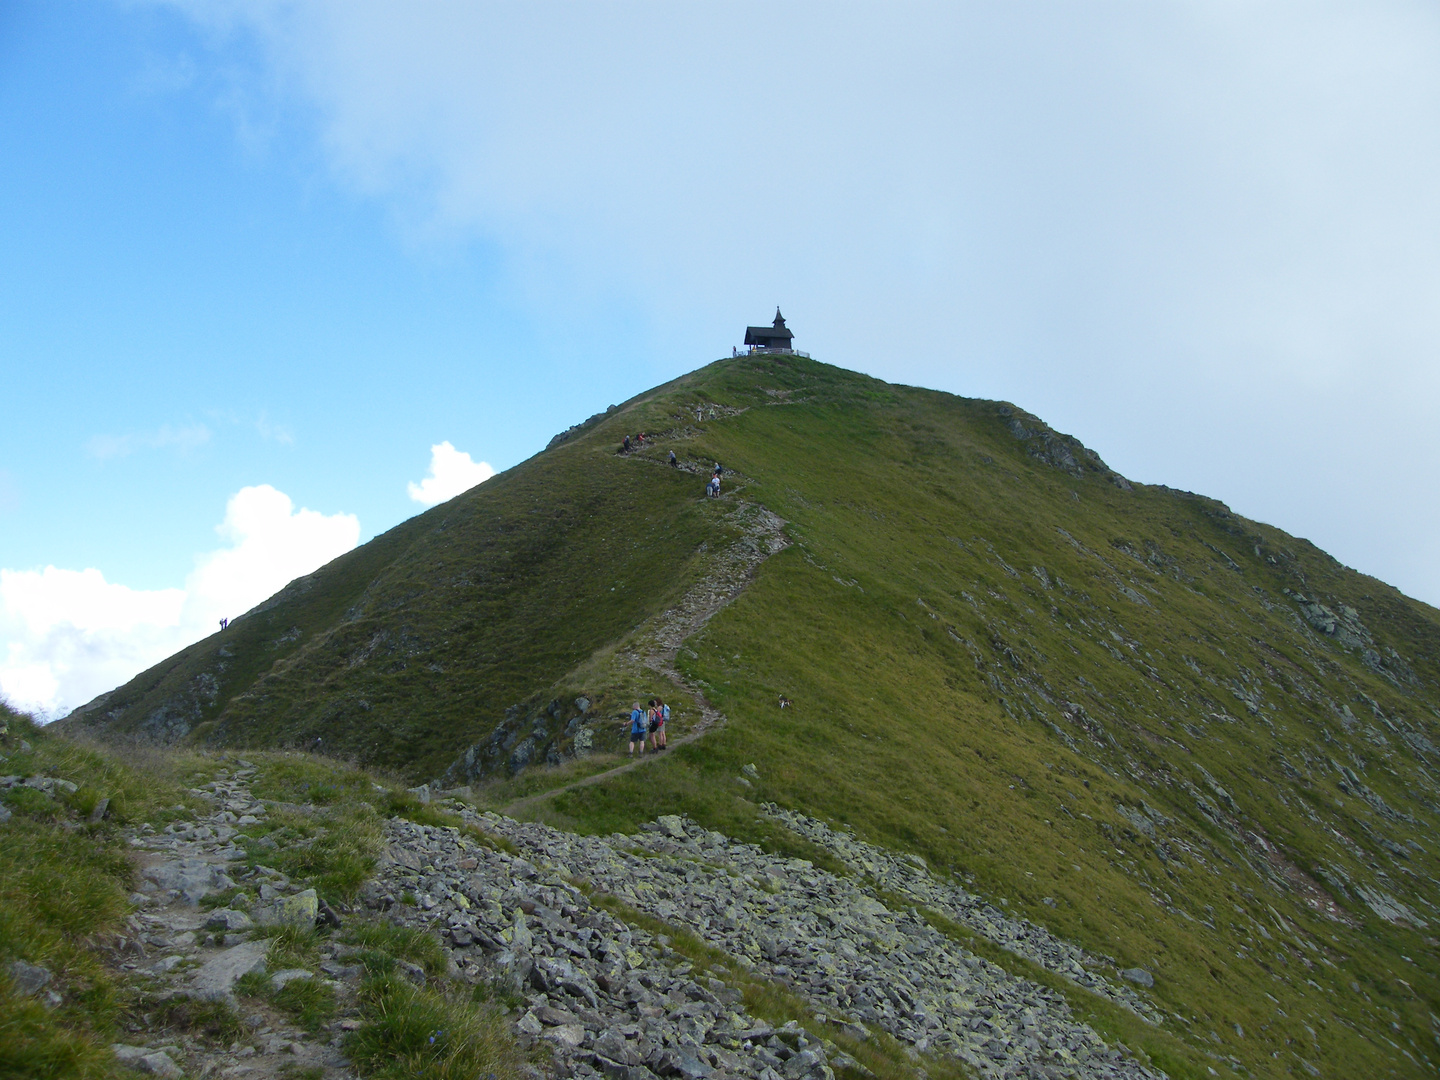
point(292, 247)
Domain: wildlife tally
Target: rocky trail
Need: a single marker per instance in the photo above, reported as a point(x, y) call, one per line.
point(519, 905)
point(177, 949)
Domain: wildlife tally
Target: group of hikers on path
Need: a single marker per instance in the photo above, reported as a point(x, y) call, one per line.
point(712, 489)
point(651, 722)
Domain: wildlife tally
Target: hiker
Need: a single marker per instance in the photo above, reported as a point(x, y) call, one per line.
point(674, 461)
point(625, 447)
point(637, 729)
point(712, 489)
point(662, 721)
point(717, 470)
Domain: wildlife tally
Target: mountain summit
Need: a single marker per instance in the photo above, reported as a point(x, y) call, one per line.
point(1193, 744)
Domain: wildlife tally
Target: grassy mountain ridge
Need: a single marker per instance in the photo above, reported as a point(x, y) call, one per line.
point(1182, 738)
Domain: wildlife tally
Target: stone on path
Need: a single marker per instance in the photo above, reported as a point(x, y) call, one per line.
point(281, 978)
point(193, 878)
point(216, 980)
point(154, 1062)
point(228, 920)
point(298, 910)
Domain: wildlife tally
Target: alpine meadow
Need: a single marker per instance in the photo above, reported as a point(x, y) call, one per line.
point(1151, 769)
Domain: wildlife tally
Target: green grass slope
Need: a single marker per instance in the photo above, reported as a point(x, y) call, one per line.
point(1186, 740)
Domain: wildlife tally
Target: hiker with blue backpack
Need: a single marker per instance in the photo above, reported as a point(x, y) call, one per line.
point(638, 729)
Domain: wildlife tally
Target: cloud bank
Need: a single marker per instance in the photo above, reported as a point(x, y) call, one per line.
point(167, 437)
point(68, 635)
point(1204, 237)
point(451, 472)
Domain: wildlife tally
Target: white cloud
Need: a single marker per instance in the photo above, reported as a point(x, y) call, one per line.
point(183, 439)
point(274, 432)
point(1147, 223)
point(68, 635)
point(451, 472)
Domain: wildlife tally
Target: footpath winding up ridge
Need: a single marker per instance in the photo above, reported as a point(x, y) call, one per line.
point(655, 645)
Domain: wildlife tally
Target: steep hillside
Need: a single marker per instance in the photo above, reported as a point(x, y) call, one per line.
point(1184, 740)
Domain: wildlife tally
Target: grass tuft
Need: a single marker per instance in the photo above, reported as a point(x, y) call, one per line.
point(419, 1033)
point(402, 942)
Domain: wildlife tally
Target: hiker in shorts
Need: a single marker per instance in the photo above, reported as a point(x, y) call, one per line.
point(637, 729)
point(712, 489)
point(662, 721)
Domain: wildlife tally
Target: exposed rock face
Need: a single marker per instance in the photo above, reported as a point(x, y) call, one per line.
point(1063, 452)
point(1344, 625)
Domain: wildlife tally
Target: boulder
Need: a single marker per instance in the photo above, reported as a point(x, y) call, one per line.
point(567, 1035)
point(216, 980)
point(282, 978)
point(1138, 976)
point(298, 910)
point(672, 825)
point(192, 878)
point(29, 978)
point(143, 1059)
point(681, 1062)
point(228, 920)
